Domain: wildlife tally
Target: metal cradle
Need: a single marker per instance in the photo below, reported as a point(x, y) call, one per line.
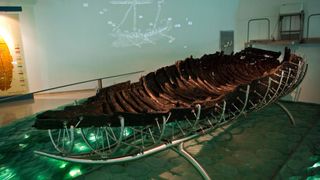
point(106, 145)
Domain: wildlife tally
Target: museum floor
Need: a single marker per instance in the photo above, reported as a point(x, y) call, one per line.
point(262, 145)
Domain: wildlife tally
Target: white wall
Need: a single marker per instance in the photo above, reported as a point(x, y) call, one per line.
point(65, 42)
point(249, 9)
point(35, 65)
point(35, 74)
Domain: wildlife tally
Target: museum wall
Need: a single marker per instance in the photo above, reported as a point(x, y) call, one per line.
point(31, 48)
point(67, 41)
point(249, 9)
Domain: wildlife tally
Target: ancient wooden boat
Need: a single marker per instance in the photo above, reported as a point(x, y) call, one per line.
point(173, 104)
point(180, 89)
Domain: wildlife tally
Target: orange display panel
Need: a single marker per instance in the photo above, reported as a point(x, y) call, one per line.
point(6, 66)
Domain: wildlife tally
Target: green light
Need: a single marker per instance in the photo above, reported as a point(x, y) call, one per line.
point(66, 141)
point(75, 171)
point(316, 165)
point(80, 147)
point(26, 136)
point(127, 132)
point(7, 173)
point(42, 177)
point(92, 137)
point(23, 145)
point(316, 177)
point(63, 165)
point(58, 163)
point(314, 158)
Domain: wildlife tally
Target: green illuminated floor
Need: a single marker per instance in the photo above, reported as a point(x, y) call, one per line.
point(263, 145)
point(17, 160)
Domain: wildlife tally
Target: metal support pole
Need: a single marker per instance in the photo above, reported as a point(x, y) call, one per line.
point(180, 150)
point(258, 19)
point(293, 122)
point(63, 86)
point(308, 22)
point(99, 84)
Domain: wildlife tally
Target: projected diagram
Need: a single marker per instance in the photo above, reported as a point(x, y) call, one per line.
point(138, 36)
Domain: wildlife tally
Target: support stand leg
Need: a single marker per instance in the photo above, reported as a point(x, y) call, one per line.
point(180, 150)
point(293, 122)
point(99, 84)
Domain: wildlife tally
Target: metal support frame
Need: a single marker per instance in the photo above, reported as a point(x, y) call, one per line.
point(164, 135)
point(64, 141)
point(258, 19)
point(104, 152)
point(99, 80)
point(308, 22)
point(293, 122)
point(116, 145)
point(99, 84)
point(175, 145)
point(182, 152)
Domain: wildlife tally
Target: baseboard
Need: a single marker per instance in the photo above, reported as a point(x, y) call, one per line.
point(6, 99)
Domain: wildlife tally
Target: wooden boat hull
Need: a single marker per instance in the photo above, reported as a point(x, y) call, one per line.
point(204, 87)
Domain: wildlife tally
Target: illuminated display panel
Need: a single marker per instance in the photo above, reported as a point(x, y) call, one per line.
point(6, 67)
point(13, 80)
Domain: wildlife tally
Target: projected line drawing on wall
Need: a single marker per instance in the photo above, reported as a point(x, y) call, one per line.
point(138, 36)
